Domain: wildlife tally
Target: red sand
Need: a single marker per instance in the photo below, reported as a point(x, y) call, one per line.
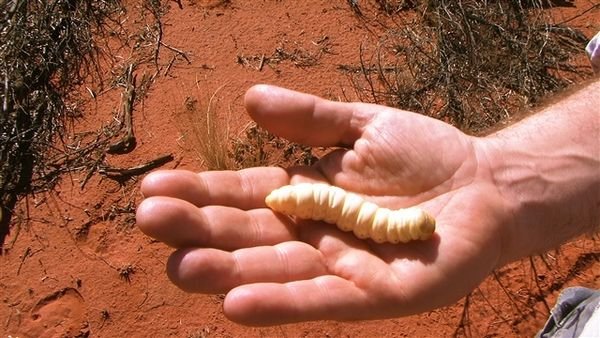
point(59, 282)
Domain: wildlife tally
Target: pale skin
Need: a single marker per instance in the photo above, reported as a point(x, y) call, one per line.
point(520, 191)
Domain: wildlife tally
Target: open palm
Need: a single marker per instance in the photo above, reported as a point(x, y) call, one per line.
point(276, 270)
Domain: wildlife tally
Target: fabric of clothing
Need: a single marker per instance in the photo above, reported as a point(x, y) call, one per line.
point(593, 50)
point(576, 314)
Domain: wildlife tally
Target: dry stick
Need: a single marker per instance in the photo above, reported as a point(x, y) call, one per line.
point(537, 283)
point(170, 65)
point(15, 229)
point(262, 62)
point(485, 299)
point(543, 258)
point(25, 255)
point(355, 8)
point(91, 170)
point(578, 15)
point(178, 51)
point(120, 173)
point(464, 320)
point(382, 76)
point(506, 292)
point(127, 102)
point(128, 142)
point(514, 300)
point(364, 71)
point(5, 101)
point(158, 24)
point(469, 32)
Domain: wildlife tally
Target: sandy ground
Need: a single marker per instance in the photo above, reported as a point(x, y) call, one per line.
point(75, 265)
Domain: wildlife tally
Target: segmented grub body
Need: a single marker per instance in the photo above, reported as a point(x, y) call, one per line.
point(350, 212)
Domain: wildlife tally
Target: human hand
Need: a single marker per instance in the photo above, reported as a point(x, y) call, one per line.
point(275, 270)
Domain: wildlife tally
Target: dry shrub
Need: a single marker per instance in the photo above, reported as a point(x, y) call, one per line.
point(47, 48)
point(395, 6)
point(471, 63)
point(257, 147)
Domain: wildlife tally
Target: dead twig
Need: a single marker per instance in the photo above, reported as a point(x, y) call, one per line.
point(91, 170)
point(355, 7)
point(173, 58)
point(464, 324)
point(262, 62)
point(128, 142)
point(178, 51)
point(25, 255)
point(124, 173)
point(536, 277)
point(578, 15)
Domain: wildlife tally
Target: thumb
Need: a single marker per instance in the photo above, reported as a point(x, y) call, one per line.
point(305, 118)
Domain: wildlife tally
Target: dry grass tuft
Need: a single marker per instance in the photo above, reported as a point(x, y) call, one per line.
point(206, 129)
point(208, 135)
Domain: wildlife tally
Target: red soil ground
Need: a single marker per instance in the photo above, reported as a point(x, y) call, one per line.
point(76, 266)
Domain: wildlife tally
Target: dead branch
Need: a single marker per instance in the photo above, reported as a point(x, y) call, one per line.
point(125, 173)
point(128, 142)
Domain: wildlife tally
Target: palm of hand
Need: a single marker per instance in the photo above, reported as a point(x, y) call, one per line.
point(397, 159)
point(403, 159)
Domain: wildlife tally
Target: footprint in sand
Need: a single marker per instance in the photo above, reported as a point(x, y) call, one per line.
point(60, 314)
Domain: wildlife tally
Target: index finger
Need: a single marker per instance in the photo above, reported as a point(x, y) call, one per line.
point(306, 118)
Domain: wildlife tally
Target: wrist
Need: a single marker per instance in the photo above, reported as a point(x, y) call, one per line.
point(549, 185)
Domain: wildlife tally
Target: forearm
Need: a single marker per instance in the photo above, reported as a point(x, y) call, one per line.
point(547, 169)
